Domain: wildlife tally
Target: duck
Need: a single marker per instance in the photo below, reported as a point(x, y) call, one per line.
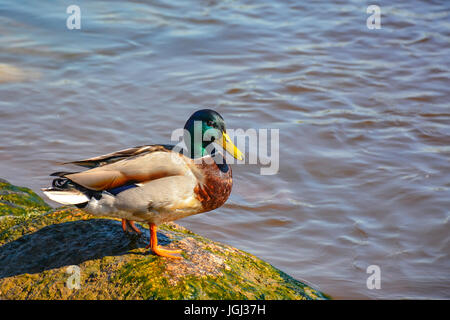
point(157, 183)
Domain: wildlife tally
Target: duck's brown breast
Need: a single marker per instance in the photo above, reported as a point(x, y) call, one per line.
point(216, 186)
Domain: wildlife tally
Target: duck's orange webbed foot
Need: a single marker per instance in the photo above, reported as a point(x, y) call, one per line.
point(130, 223)
point(156, 248)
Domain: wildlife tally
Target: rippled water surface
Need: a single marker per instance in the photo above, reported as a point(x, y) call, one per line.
point(364, 120)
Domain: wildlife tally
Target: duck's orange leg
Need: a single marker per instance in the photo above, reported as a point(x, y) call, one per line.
point(133, 226)
point(126, 223)
point(157, 249)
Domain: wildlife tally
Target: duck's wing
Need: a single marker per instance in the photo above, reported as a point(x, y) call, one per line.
point(138, 169)
point(119, 155)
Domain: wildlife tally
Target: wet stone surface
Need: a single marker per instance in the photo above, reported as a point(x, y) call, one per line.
point(37, 249)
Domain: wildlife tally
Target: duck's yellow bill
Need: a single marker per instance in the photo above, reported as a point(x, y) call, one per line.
point(231, 148)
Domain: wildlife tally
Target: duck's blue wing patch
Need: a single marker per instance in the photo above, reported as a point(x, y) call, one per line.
point(116, 191)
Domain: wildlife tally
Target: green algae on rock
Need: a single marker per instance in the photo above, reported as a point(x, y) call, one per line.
point(37, 245)
point(19, 200)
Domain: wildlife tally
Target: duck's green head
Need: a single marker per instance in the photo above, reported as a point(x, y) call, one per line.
point(204, 127)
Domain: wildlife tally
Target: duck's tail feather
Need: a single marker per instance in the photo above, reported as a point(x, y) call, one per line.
point(66, 192)
point(61, 174)
point(66, 196)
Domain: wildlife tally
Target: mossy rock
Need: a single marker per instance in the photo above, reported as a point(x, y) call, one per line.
point(36, 250)
point(19, 201)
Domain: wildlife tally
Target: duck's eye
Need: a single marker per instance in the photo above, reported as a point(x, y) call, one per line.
point(209, 123)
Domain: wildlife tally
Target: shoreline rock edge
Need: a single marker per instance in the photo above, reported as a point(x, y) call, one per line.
point(64, 253)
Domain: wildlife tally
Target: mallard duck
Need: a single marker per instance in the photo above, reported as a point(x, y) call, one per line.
point(154, 184)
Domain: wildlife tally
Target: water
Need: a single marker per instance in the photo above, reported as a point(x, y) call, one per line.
point(363, 118)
